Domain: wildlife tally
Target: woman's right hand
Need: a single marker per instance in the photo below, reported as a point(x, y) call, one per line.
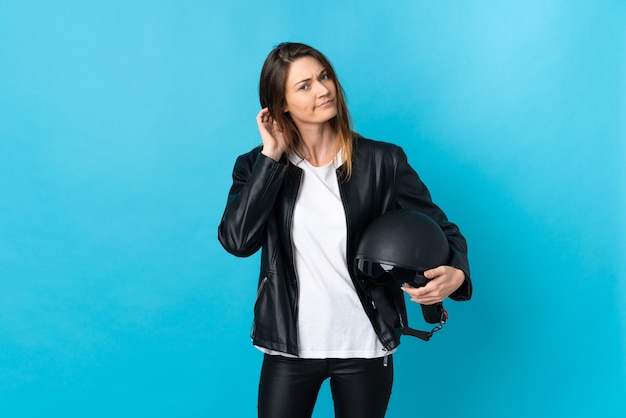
point(274, 142)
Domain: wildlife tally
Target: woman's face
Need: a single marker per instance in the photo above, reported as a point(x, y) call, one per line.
point(310, 94)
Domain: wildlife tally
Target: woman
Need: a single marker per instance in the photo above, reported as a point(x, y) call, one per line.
point(304, 198)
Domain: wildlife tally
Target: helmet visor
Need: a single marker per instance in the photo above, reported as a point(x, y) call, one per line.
point(380, 273)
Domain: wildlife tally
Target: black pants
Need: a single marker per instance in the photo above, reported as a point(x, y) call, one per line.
point(289, 387)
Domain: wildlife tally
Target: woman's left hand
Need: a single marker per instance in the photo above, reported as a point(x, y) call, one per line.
point(442, 282)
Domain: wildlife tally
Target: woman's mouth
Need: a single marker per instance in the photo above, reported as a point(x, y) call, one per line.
point(326, 104)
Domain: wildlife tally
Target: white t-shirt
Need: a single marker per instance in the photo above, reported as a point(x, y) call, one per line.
point(331, 321)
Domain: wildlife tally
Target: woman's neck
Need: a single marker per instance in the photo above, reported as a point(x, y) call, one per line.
point(318, 143)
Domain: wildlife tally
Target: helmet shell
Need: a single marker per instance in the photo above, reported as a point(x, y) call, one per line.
point(404, 238)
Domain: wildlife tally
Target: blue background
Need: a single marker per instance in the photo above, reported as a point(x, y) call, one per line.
point(119, 125)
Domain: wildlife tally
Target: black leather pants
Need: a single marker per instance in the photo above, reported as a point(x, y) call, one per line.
point(289, 387)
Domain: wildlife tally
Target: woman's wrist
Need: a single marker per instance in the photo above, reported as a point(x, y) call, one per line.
point(274, 154)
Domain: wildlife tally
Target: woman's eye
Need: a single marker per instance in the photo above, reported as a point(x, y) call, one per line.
point(324, 76)
point(304, 87)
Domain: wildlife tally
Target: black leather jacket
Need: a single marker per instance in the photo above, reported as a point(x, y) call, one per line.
point(259, 213)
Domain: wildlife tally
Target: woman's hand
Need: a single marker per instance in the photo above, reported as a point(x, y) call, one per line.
point(274, 142)
point(443, 281)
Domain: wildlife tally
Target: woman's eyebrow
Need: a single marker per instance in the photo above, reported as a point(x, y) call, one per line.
point(302, 81)
point(309, 79)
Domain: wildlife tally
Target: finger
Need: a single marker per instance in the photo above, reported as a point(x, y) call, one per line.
point(261, 117)
point(415, 292)
point(432, 273)
point(425, 300)
point(425, 296)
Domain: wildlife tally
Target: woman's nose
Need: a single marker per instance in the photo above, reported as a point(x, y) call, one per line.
point(321, 89)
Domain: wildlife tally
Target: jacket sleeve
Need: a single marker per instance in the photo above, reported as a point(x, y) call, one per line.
point(412, 193)
point(256, 183)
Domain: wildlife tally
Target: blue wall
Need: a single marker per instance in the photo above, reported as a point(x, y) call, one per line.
point(119, 125)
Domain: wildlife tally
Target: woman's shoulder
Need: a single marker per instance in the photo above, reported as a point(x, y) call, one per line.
point(362, 144)
point(247, 162)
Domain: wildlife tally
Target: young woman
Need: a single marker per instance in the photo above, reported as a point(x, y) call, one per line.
point(304, 198)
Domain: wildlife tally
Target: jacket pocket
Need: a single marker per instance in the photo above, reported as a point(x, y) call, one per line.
point(260, 289)
point(256, 300)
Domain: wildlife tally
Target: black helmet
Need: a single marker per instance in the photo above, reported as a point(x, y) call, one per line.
point(401, 245)
point(397, 248)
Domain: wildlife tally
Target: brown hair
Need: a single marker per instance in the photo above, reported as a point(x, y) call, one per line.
point(272, 85)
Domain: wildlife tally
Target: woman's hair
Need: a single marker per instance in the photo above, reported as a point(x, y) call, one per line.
point(272, 85)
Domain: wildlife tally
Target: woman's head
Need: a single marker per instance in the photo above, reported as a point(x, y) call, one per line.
point(272, 94)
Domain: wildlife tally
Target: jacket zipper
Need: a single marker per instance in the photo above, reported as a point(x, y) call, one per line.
point(258, 293)
point(293, 256)
point(376, 330)
point(261, 286)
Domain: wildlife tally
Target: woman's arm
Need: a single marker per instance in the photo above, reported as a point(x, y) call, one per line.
point(452, 280)
point(257, 177)
point(256, 183)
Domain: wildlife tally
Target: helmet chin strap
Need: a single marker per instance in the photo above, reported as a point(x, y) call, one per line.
point(425, 335)
point(392, 317)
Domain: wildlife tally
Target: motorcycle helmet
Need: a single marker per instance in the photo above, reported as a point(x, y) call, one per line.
point(397, 247)
point(400, 245)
